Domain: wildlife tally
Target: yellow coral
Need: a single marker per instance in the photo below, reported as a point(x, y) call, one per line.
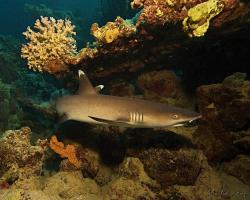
point(51, 47)
point(197, 22)
point(159, 13)
point(112, 30)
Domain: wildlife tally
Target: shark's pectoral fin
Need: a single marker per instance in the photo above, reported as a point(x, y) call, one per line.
point(118, 122)
point(85, 86)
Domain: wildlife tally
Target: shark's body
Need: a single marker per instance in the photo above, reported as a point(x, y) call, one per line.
point(91, 107)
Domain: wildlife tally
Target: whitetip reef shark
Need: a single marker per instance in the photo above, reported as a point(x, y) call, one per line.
point(91, 107)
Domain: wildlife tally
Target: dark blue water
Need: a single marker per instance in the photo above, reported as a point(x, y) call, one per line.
point(14, 17)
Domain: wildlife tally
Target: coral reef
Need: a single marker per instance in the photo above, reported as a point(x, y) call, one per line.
point(18, 158)
point(150, 54)
point(239, 167)
point(120, 28)
point(169, 168)
point(228, 103)
point(52, 47)
point(164, 86)
point(121, 35)
point(225, 109)
point(200, 15)
point(68, 151)
point(81, 158)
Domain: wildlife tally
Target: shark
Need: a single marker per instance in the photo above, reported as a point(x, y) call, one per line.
point(90, 106)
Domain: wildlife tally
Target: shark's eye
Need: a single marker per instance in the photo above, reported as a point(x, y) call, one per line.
point(175, 116)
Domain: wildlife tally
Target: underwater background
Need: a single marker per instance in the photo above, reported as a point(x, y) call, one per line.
point(192, 54)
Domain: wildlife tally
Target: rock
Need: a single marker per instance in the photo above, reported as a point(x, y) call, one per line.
point(226, 106)
point(243, 143)
point(31, 183)
point(125, 189)
point(180, 167)
point(70, 184)
point(19, 159)
point(132, 168)
point(233, 187)
point(216, 144)
point(122, 89)
point(87, 197)
point(89, 162)
point(164, 86)
point(240, 168)
point(105, 175)
point(18, 194)
point(207, 186)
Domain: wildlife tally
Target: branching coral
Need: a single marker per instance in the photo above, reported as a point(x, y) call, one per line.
point(68, 151)
point(52, 47)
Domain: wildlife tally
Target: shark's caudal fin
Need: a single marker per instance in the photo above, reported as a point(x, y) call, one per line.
point(85, 86)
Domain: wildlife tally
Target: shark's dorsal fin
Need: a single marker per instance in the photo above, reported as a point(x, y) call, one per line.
point(85, 86)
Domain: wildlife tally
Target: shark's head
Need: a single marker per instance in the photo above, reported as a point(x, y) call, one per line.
point(179, 117)
point(65, 108)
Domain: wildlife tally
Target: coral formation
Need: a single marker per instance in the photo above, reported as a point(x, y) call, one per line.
point(161, 12)
point(68, 151)
point(51, 47)
point(143, 50)
point(18, 158)
point(172, 167)
point(198, 19)
point(227, 104)
point(239, 167)
point(164, 86)
point(137, 4)
point(89, 160)
point(120, 28)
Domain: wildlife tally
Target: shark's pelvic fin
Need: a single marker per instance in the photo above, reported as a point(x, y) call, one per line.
point(99, 88)
point(117, 122)
point(85, 86)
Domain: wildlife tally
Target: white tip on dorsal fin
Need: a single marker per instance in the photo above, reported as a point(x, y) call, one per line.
point(81, 73)
point(99, 88)
point(85, 86)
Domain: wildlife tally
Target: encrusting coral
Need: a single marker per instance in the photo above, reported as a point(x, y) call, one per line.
point(113, 30)
point(18, 158)
point(52, 47)
point(68, 151)
point(197, 21)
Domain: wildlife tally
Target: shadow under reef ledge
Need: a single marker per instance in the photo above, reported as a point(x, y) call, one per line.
point(221, 52)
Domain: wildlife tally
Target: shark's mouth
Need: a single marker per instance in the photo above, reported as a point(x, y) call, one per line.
point(190, 123)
